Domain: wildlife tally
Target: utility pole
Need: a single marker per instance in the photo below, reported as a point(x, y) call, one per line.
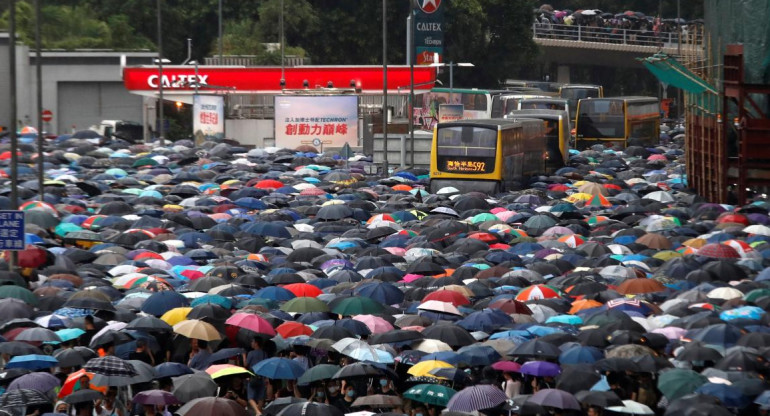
point(14, 255)
point(161, 140)
point(39, 81)
point(385, 87)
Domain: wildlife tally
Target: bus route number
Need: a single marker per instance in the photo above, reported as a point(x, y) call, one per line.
point(465, 166)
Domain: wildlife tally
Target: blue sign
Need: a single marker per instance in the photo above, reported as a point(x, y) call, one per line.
point(11, 230)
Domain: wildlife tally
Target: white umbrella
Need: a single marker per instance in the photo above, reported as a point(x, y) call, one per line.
point(438, 306)
point(631, 407)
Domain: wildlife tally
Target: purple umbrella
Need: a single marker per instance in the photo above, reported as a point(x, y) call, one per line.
point(540, 369)
point(482, 396)
point(559, 399)
point(39, 381)
point(156, 397)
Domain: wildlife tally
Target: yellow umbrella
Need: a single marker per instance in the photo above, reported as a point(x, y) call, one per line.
point(176, 315)
point(221, 370)
point(195, 328)
point(593, 188)
point(578, 197)
point(695, 242)
point(423, 368)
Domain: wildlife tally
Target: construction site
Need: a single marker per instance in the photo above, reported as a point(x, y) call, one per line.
point(727, 101)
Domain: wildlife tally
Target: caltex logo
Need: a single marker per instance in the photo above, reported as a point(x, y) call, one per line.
point(429, 6)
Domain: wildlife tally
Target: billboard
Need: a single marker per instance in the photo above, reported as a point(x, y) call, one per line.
point(450, 112)
point(317, 120)
point(208, 117)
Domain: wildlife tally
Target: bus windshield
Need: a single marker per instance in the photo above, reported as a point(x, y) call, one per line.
point(601, 119)
point(466, 149)
point(540, 105)
point(579, 93)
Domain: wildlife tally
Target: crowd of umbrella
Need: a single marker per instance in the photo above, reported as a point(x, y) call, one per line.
point(610, 265)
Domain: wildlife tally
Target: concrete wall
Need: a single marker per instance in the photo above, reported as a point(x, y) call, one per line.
point(258, 133)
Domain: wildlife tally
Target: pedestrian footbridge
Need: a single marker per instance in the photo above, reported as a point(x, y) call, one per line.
point(568, 45)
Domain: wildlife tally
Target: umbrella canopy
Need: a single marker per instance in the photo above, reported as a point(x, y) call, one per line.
point(473, 398)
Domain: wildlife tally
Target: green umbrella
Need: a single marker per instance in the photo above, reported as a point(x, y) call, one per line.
point(679, 382)
point(357, 305)
point(145, 161)
point(484, 216)
point(434, 394)
point(18, 292)
point(305, 304)
point(320, 372)
point(756, 294)
point(62, 229)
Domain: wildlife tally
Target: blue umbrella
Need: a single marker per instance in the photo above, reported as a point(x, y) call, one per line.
point(477, 354)
point(383, 292)
point(487, 320)
point(172, 369)
point(275, 293)
point(728, 395)
point(580, 355)
point(540, 369)
point(744, 312)
point(279, 369)
point(215, 299)
point(721, 335)
point(162, 302)
point(450, 357)
point(32, 362)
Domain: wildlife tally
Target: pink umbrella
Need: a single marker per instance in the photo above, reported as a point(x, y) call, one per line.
point(497, 210)
point(251, 322)
point(504, 215)
point(397, 251)
point(507, 366)
point(414, 328)
point(409, 278)
point(376, 324)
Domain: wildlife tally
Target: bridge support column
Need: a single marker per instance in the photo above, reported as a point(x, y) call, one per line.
point(562, 74)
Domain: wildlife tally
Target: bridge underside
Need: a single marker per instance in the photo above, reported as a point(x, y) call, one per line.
point(569, 53)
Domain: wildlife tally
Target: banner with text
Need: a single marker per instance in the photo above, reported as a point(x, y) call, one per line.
point(429, 33)
point(450, 112)
point(208, 117)
point(317, 120)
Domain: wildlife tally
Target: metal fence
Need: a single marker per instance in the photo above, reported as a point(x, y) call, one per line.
point(616, 35)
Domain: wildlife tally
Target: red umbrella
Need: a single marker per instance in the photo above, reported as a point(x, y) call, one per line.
point(511, 306)
point(449, 296)
point(718, 251)
point(733, 218)
point(31, 257)
point(269, 184)
point(293, 329)
point(303, 289)
point(312, 192)
point(485, 237)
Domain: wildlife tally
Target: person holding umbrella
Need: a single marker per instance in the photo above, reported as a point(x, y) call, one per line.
point(111, 405)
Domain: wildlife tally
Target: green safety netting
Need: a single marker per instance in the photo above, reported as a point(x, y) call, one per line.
point(669, 71)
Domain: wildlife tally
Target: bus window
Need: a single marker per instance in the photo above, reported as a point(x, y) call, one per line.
point(596, 121)
point(466, 149)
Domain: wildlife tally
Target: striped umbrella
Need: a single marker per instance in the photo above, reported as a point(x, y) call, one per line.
point(537, 292)
point(482, 396)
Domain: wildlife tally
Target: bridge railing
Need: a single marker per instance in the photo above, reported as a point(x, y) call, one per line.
point(614, 35)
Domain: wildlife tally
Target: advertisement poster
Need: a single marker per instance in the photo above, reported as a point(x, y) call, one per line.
point(450, 112)
point(208, 117)
point(319, 120)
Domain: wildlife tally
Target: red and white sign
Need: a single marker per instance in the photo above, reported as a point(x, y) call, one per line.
point(429, 6)
point(46, 115)
point(267, 80)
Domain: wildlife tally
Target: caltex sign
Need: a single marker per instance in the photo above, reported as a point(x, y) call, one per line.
point(429, 31)
point(429, 6)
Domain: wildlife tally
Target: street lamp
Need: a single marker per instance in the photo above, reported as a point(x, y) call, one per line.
point(195, 85)
point(160, 63)
point(451, 66)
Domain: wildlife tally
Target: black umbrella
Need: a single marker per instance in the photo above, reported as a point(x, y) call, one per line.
point(452, 335)
point(281, 403)
point(193, 386)
point(598, 398)
point(19, 398)
point(82, 396)
point(310, 409)
point(535, 349)
point(575, 378)
point(357, 370)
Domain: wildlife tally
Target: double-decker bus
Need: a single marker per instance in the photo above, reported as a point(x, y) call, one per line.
point(575, 92)
point(489, 155)
point(544, 103)
point(505, 102)
point(557, 133)
point(476, 103)
point(624, 121)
